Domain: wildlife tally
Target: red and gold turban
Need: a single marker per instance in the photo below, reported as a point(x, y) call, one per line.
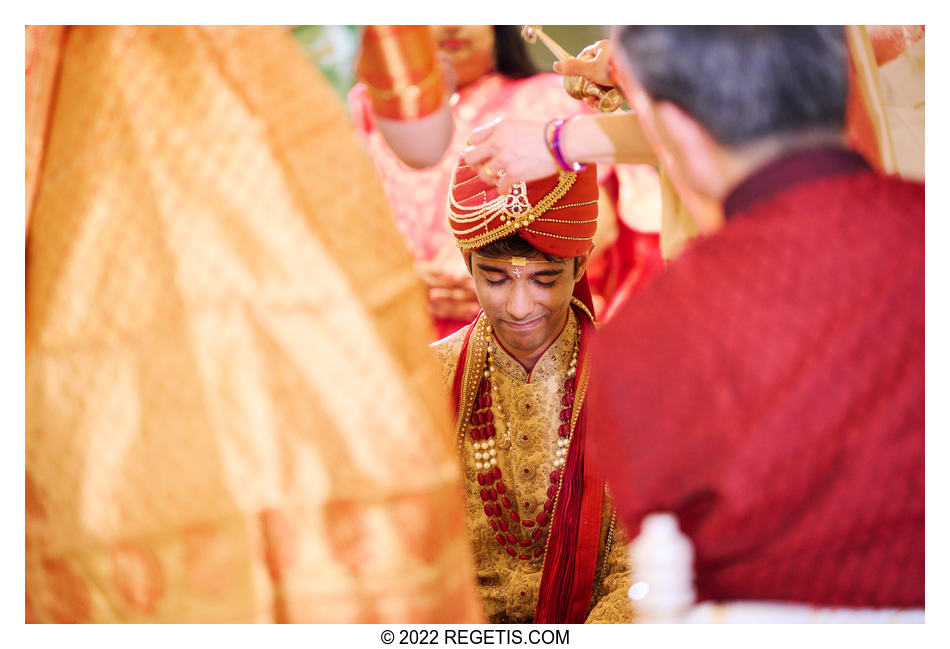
point(557, 215)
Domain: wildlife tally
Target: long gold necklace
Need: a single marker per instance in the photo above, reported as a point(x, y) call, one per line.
point(504, 520)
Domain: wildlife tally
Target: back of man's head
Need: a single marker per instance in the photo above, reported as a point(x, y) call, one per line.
point(744, 83)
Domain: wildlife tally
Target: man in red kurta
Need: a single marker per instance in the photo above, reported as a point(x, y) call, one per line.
point(768, 389)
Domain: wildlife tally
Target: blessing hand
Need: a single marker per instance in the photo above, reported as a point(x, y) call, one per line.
point(508, 151)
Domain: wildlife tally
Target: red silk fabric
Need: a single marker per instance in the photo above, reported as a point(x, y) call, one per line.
point(571, 559)
point(565, 229)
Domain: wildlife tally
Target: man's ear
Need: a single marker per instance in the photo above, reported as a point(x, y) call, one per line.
point(680, 128)
point(697, 153)
point(582, 260)
point(467, 256)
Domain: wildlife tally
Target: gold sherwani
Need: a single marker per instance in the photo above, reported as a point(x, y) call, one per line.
point(530, 401)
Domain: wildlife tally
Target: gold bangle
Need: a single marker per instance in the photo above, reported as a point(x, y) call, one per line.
point(413, 89)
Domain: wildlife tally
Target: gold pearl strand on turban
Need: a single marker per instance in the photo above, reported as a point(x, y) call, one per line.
point(557, 215)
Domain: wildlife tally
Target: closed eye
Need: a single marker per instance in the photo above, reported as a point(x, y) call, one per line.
point(537, 282)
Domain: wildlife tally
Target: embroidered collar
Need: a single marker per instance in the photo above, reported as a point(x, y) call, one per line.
point(554, 359)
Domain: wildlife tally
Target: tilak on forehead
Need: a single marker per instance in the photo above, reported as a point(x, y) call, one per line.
point(516, 262)
point(557, 215)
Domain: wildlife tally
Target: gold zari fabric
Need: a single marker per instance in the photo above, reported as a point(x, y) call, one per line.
point(44, 47)
point(531, 402)
point(231, 411)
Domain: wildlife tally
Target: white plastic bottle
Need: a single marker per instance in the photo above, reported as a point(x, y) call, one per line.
point(661, 560)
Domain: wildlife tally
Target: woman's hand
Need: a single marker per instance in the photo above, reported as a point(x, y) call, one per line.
point(508, 151)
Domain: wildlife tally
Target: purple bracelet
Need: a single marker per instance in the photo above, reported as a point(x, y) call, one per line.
point(553, 136)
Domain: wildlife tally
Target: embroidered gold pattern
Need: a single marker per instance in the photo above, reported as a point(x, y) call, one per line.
point(529, 405)
point(474, 368)
point(410, 90)
point(512, 209)
point(583, 307)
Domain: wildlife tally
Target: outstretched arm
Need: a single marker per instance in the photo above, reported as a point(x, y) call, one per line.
point(519, 147)
point(421, 142)
point(406, 85)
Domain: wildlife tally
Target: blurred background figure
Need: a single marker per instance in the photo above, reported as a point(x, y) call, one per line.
point(490, 74)
point(885, 119)
point(231, 411)
point(772, 379)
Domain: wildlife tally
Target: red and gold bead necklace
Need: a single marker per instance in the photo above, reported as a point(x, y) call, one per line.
point(504, 521)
